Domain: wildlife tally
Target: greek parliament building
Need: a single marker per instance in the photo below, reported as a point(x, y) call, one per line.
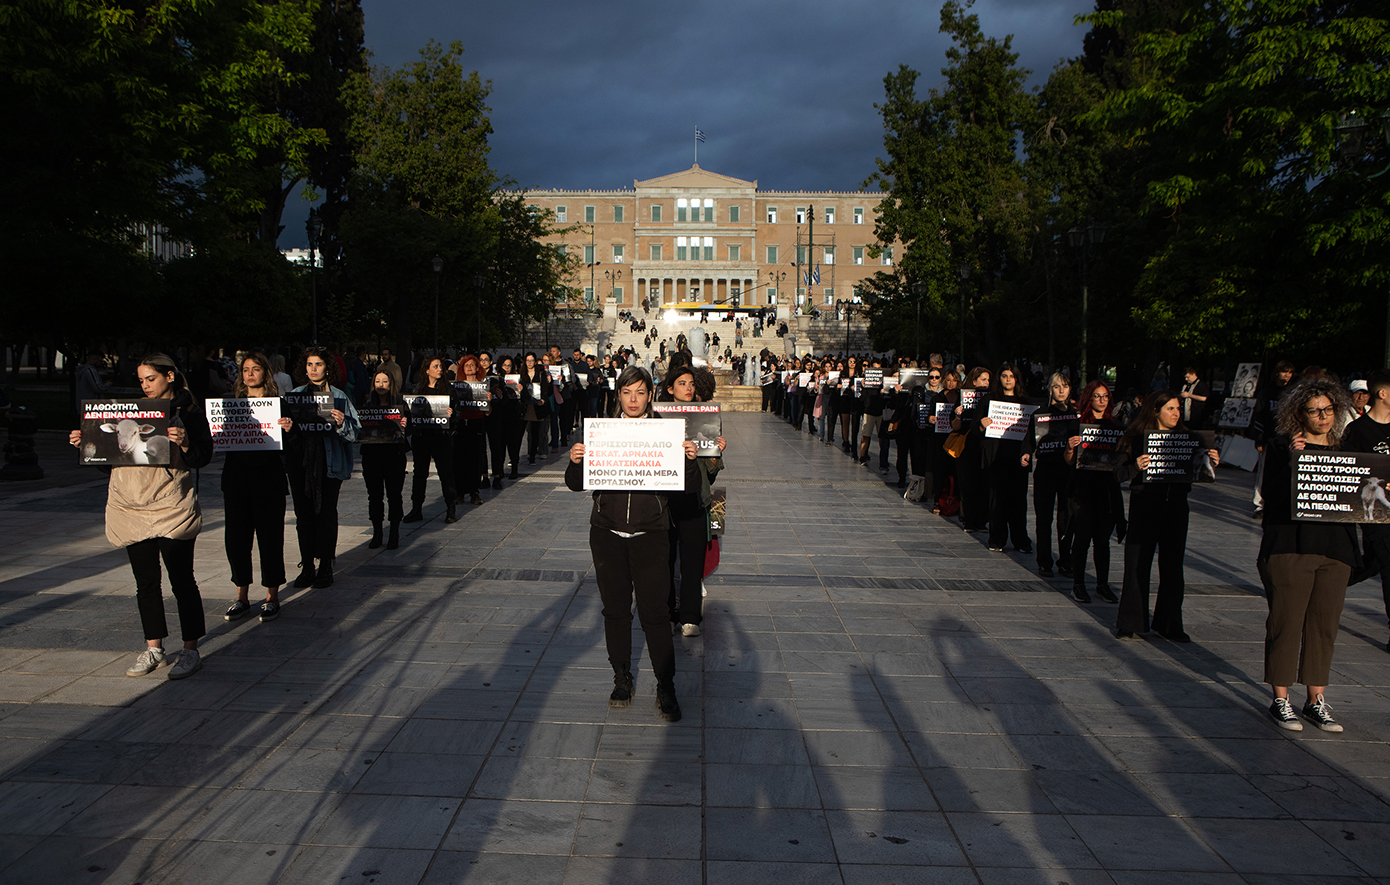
point(699, 240)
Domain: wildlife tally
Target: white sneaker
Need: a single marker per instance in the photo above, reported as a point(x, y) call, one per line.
point(690, 629)
point(1284, 716)
point(189, 662)
point(704, 591)
point(150, 659)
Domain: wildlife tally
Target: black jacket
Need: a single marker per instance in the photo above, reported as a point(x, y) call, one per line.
point(632, 511)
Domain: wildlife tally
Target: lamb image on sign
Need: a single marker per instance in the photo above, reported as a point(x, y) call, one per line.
point(125, 433)
point(1341, 487)
point(634, 455)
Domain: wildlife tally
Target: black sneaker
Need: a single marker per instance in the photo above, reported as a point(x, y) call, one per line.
point(1078, 592)
point(1284, 716)
point(1179, 636)
point(269, 611)
point(1104, 592)
point(1064, 570)
point(306, 577)
point(1320, 714)
point(1124, 635)
point(1045, 571)
point(666, 702)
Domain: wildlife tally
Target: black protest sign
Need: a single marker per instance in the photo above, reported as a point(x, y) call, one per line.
point(702, 424)
point(125, 433)
point(310, 412)
point(717, 511)
point(873, 377)
point(1100, 447)
point(472, 395)
point(380, 425)
point(1179, 456)
point(429, 411)
point(973, 403)
point(1051, 432)
point(1341, 487)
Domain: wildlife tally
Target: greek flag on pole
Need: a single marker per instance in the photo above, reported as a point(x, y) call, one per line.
point(815, 280)
point(699, 136)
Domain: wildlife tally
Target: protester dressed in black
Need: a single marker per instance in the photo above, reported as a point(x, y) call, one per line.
point(1096, 505)
point(1008, 476)
point(470, 436)
point(1371, 433)
point(535, 405)
point(432, 442)
point(1158, 516)
point(254, 493)
point(1051, 477)
point(504, 423)
point(970, 471)
point(383, 461)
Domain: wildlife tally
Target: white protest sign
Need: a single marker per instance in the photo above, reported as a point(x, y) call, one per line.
point(243, 424)
point(943, 417)
point(1008, 420)
point(634, 454)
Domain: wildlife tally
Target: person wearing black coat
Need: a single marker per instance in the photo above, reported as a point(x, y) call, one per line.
point(1008, 476)
point(1097, 508)
point(504, 422)
point(535, 405)
point(431, 442)
point(1044, 452)
point(384, 447)
point(970, 470)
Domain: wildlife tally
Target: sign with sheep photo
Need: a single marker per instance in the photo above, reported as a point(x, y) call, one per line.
point(125, 433)
point(1331, 486)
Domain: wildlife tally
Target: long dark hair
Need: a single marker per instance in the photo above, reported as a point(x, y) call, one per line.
point(239, 389)
point(423, 384)
point(996, 386)
point(1083, 403)
point(1147, 418)
point(673, 375)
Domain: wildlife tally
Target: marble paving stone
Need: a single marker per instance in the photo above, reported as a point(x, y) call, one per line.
point(646, 783)
point(418, 774)
point(381, 866)
point(768, 834)
point(1147, 844)
point(515, 827)
point(761, 786)
point(1012, 840)
point(988, 790)
point(1279, 846)
point(453, 867)
point(639, 831)
point(387, 822)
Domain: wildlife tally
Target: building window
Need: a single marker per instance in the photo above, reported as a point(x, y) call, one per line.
point(618, 294)
point(800, 214)
point(654, 291)
point(588, 294)
point(618, 214)
point(887, 256)
point(772, 254)
point(800, 254)
point(829, 214)
point(655, 251)
point(588, 254)
point(682, 209)
point(858, 254)
point(560, 213)
point(589, 214)
point(858, 215)
point(829, 254)
point(771, 214)
point(709, 211)
point(656, 212)
point(562, 249)
point(709, 247)
point(771, 296)
point(733, 214)
point(829, 297)
point(617, 254)
point(733, 253)
point(680, 248)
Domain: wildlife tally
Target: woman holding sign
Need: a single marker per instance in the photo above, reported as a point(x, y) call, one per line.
point(628, 535)
point(1304, 566)
point(1096, 504)
point(153, 512)
point(504, 424)
point(535, 404)
point(431, 440)
point(317, 464)
point(253, 493)
point(1043, 451)
point(1158, 516)
point(970, 471)
point(470, 440)
point(383, 456)
point(1003, 462)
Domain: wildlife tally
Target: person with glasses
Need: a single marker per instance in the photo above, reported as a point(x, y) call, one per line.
point(1304, 566)
point(945, 388)
point(1097, 507)
point(1158, 516)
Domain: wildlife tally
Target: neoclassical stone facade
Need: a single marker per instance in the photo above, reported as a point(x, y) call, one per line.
point(697, 238)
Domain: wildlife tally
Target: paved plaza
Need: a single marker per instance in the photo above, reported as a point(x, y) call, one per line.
point(876, 699)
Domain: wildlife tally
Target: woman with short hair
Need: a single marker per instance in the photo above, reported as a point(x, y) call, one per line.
point(317, 464)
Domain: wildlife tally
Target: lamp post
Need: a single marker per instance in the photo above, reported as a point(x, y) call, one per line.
point(314, 227)
point(438, 265)
point(919, 288)
point(964, 273)
point(1351, 141)
point(1085, 240)
point(478, 298)
point(613, 277)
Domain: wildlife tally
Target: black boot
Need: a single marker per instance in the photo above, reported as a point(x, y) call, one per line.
point(497, 483)
point(622, 685)
point(414, 514)
point(375, 542)
point(324, 578)
point(513, 474)
point(450, 515)
point(306, 575)
point(666, 701)
point(393, 540)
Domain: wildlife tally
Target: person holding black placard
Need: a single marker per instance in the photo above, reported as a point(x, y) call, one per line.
point(504, 422)
point(535, 405)
point(1304, 566)
point(1097, 508)
point(253, 494)
point(970, 470)
point(153, 513)
point(847, 407)
point(432, 442)
point(1158, 515)
point(1371, 433)
point(1044, 451)
point(470, 439)
point(383, 460)
point(1008, 476)
point(630, 541)
point(317, 464)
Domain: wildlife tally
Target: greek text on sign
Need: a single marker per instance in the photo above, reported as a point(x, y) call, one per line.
point(1341, 487)
point(634, 455)
point(244, 424)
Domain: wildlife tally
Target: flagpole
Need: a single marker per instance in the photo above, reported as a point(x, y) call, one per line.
point(697, 144)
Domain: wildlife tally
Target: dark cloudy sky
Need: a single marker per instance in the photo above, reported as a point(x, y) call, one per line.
point(596, 94)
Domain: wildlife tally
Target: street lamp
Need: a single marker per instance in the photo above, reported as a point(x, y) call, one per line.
point(1351, 138)
point(1085, 240)
point(964, 273)
point(478, 296)
point(613, 277)
point(438, 264)
point(919, 288)
point(314, 228)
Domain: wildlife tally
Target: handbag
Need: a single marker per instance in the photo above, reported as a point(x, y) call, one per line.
point(711, 555)
point(954, 444)
point(916, 490)
point(949, 502)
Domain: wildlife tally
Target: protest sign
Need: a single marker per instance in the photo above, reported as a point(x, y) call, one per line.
point(514, 382)
point(718, 508)
point(244, 424)
point(125, 432)
point(910, 378)
point(943, 417)
point(428, 410)
point(1236, 412)
point(1341, 486)
point(472, 395)
point(873, 377)
point(702, 424)
point(1247, 379)
point(1099, 447)
point(1179, 456)
point(380, 425)
point(634, 454)
point(802, 378)
point(310, 412)
point(972, 402)
point(926, 415)
point(1051, 432)
point(1008, 420)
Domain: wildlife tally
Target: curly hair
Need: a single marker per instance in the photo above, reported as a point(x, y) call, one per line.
point(1289, 415)
point(705, 384)
point(330, 377)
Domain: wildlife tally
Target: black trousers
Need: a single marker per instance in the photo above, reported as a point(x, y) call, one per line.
point(631, 569)
point(383, 469)
point(504, 438)
point(535, 439)
point(317, 532)
point(688, 545)
point(1375, 546)
point(262, 521)
point(767, 397)
point(974, 487)
point(438, 446)
point(1158, 515)
point(1050, 496)
point(178, 560)
point(470, 453)
point(1091, 523)
point(909, 445)
point(1008, 504)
